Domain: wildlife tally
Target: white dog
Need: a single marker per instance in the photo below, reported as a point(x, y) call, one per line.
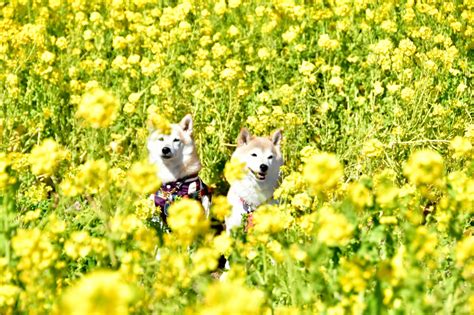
point(263, 159)
point(178, 166)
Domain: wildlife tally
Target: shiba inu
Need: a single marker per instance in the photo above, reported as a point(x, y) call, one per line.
point(262, 158)
point(178, 164)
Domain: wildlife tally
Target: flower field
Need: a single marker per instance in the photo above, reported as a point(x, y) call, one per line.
point(376, 202)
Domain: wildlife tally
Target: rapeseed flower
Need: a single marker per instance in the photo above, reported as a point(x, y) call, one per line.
point(143, 178)
point(360, 195)
point(424, 167)
point(5, 178)
point(187, 220)
point(333, 228)
point(98, 108)
point(244, 300)
point(100, 292)
point(271, 219)
point(220, 208)
point(45, 157)
point(461, 146)
point(234, 170)
point(322, 172)
point(372, 148)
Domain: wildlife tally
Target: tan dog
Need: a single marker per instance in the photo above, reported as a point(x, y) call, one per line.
point(176, 158)
point(263, 159)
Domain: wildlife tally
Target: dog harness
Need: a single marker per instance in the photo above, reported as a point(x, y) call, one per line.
point(191, 187)
point(249, 209)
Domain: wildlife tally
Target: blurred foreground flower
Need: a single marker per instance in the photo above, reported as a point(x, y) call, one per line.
point(91, 177)
point(8, 297)
point(234, 170)
point(100, 292)
point(424, 168)
point(157, 121)
point(5, 179)
point(461, 146)
point(45, 158)
point(220, 207)
point(334, 229)
point(322, 172)
point(465, 256)
point(271, 219)
point(187, 220)
point(98, 107)
point(231, 298)
point(142, 178)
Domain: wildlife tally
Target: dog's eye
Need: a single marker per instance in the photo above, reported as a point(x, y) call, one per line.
point(176, 140)
point(270, 157)
point(254, 154)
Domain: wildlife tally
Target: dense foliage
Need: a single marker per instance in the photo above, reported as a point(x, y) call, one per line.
point(377, 193)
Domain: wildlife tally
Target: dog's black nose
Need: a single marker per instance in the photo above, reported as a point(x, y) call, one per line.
point(263, 167)
point(166, 150)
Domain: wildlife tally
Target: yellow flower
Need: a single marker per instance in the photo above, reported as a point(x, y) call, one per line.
point(464, 250)
point(234, 170)
point(336, 81)
point(297, 253)
point(334, 229)
point(78, 245)
point(271, 219)
point(322, 172)
point(234, 3)
point(306, 68)
point(360, 195)
point(34, 248)
point(425, 243)
point(244, 300)
point(407, 94)
point(92, 177)
point(326, 42)
point(45, 158)
point(220, 207)
point(424, 167)
point(5, 179)
point(302, 201)
point(223, 243)
point(144, 208)
point(187, 220)
point(354, 275)
point(204, 259)
point(157, 120)
point(407, 47)
point(461, 146)
point(100, 292)
point(48, 57)
point(388, 220)
point(142, 178)
point(98, 107)
point(8, 296)
point(372, 148)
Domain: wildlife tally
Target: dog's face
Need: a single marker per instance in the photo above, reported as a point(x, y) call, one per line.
point(173, 146)
point(261, 155)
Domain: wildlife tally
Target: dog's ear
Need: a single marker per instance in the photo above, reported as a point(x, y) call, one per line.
point(244, 137)
point(276, 137)
point(187, 124)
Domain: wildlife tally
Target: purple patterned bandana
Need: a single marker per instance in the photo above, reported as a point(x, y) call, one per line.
point(189, 187)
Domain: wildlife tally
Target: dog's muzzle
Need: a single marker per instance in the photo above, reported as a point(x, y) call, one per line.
point(166, 153)
point(258, 175)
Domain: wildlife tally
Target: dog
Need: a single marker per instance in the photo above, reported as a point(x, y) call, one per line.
point(178, 164)
point(262, 158)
